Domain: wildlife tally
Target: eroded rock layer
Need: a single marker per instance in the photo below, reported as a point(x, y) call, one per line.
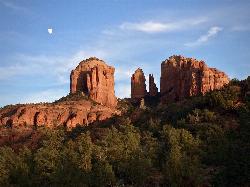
point(138, 85)
point(68, 113)
point(92, 98)
point(183, 77)
point(96, 79)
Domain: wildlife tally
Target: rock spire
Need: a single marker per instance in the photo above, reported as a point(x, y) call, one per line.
point(153, 90)
point(138, 86)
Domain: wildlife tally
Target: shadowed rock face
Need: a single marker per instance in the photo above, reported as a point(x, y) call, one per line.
point(95, 79)
point(183, 77)
point(153, 90)
point(138, 86)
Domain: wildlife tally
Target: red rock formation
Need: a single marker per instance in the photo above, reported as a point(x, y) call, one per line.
point(91, 77)
point(138, 86)
point(67, 113)
point(153, 90)
point(183, 77)
point(96, 79)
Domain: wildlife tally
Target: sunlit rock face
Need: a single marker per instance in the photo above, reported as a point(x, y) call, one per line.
point(92, 98)
point(96, 79)
point(65, 113)
point(138, 85)
point(183, 77)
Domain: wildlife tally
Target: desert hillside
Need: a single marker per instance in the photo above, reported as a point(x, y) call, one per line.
point(195, 131)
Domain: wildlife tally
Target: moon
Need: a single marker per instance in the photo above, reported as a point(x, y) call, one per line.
point(50, 30)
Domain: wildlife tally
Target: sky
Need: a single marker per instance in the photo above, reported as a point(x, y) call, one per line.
point(42, 41)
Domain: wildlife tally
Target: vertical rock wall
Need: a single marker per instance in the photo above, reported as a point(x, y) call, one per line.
point(183, 77)
point(96, 79)
point(138, 86)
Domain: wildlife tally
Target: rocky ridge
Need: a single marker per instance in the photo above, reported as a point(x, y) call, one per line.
point(66, 113)
point(181, 77)
point(93, 81)
point(91, 98)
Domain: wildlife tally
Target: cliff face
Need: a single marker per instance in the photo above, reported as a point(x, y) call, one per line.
point(180, 78)
point(138, 86)
point(183, 77)
point(95, 79)
point(68, 113)
point(92, 80)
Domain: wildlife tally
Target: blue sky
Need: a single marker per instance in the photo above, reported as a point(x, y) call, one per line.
point(127, 34)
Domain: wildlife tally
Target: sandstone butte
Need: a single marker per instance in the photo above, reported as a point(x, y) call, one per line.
point(93, 79)
point(96, 79)
point(183, 77)
point(180, 78)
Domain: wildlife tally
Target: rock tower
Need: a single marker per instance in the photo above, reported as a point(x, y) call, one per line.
point(94, 78)
point(138, 86)
point(91, 77)
point(183, 77)
point(153, 90)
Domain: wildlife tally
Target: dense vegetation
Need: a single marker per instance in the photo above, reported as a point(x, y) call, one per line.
point(202, 141)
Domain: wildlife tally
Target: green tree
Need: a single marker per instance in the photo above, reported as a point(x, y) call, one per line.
point(124, 152)
point(236, 167)
point(49, 158)
point(14, 168)
point(102, 174)
point(182, 166)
